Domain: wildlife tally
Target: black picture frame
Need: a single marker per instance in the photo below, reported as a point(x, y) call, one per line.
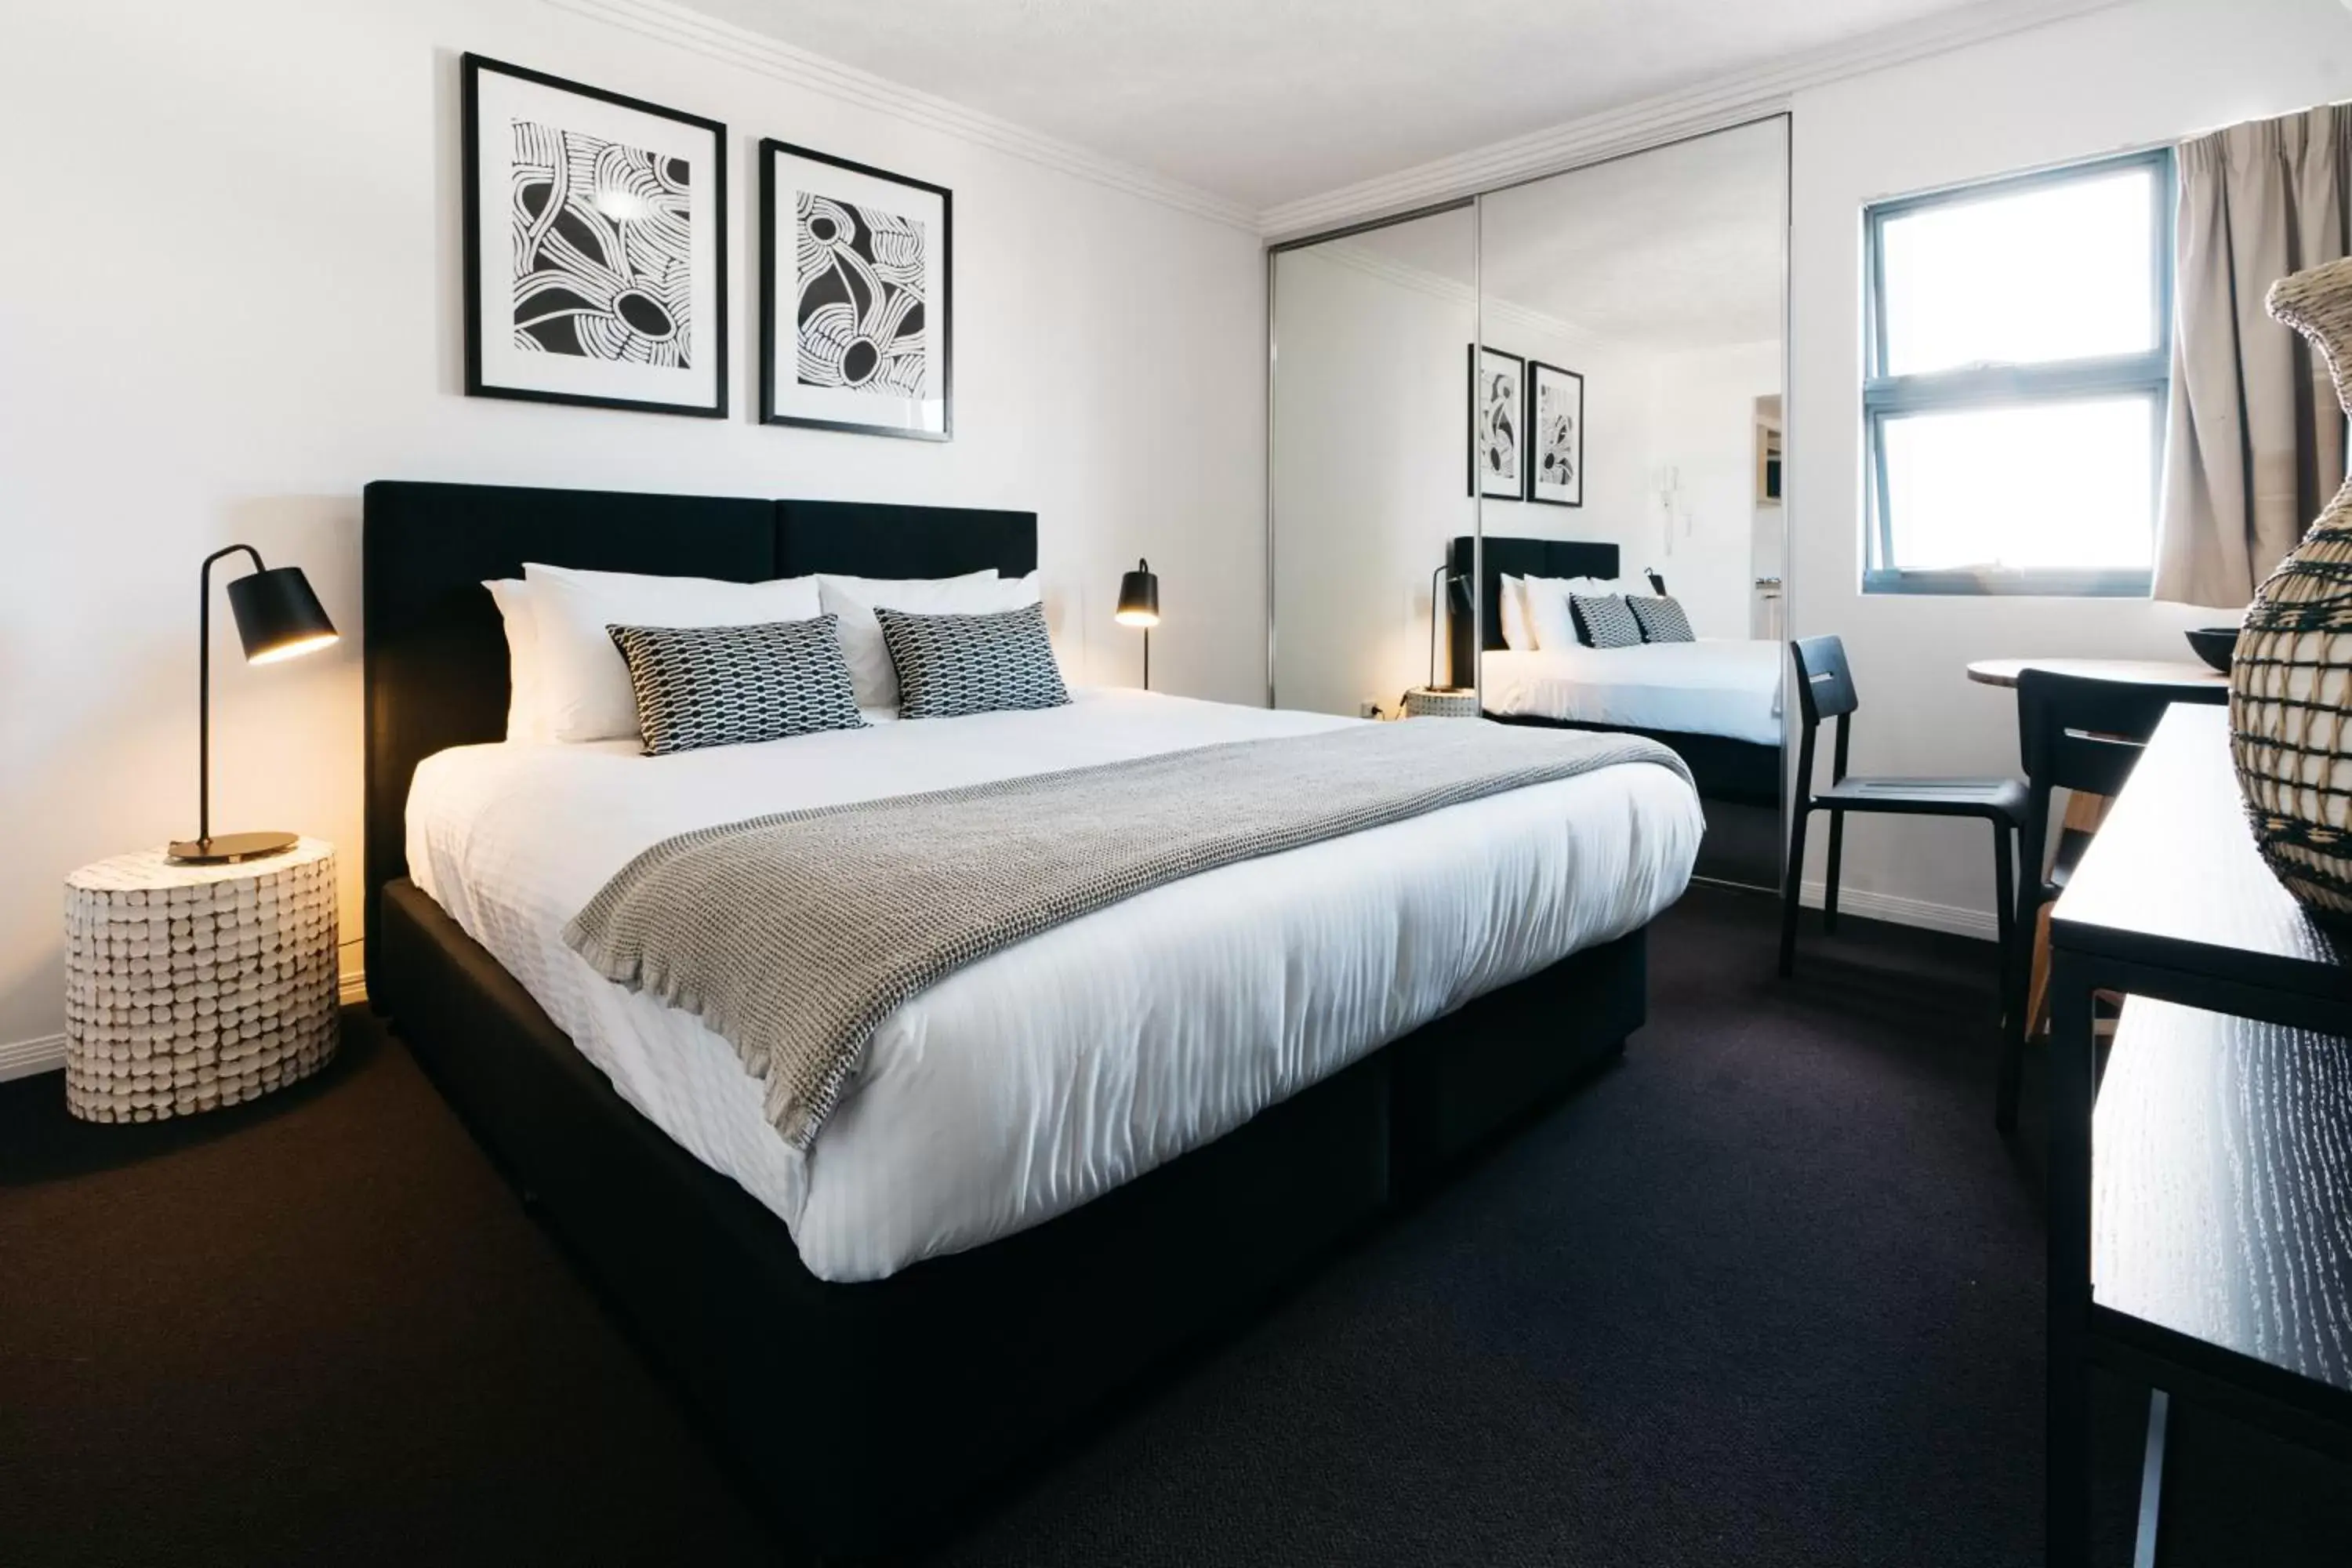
point(479, 384)
point(1535, 456)
point(774, 254)
point(1515, 404)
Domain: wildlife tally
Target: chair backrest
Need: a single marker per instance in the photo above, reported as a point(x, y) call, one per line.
point(2080, 733)
point(1824, 685)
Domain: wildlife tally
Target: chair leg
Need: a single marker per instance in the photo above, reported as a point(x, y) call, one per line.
point(2004, 900)
point(1792, 884)
point(1830, 887)
point(2017, 927)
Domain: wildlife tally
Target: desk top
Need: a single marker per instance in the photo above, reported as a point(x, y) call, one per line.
point(2173, 878)
point(2221, 1189)
point(2195, 679)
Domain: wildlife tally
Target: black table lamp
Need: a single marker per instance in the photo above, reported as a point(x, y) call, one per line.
point(277, 618)
point(1138, 605)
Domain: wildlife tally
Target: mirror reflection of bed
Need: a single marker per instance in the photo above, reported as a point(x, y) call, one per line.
point(1715, 698)
point(1585, 370)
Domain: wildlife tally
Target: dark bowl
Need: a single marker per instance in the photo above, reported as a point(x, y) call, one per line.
point(2214, 645)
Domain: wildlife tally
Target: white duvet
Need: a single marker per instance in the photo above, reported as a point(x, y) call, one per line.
point(1048, 1073)
point(1715, 686)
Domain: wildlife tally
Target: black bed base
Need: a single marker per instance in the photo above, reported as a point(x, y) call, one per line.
point(865, 1416)
point(1741, 772)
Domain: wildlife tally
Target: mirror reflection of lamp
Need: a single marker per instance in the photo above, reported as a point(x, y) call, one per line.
point(277, 618)
point(1138, 605)
point(1444, 585)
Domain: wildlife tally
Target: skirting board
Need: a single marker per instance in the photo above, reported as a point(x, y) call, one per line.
point(26, 1057)
point(1978, 923)
point(47, 1053)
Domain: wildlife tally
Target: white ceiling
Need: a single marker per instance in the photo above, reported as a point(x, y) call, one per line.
point(1264, 102)
point(1679, 247)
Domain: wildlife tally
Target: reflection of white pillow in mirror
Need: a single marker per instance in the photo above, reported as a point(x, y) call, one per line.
point(1513, 597)
point(1546, 606)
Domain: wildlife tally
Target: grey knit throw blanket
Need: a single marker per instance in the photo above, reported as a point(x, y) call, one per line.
point(794, 935)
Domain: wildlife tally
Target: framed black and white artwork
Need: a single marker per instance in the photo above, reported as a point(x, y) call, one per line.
point(1555, 435)
point(595, 239)
point(856, 268)
point(1495, 438)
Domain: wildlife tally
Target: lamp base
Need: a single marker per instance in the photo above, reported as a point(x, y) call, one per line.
point(226, 848)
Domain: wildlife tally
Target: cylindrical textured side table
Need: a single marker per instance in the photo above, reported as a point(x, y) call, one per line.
point(189, 987)
point(1440, 702)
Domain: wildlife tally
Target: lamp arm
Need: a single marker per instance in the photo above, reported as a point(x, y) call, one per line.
point(204, 684)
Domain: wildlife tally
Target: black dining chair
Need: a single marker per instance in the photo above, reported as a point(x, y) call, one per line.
point(1825, 691)
point(2082, 735)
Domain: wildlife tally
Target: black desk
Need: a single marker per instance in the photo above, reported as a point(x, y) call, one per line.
point(2219, 1266)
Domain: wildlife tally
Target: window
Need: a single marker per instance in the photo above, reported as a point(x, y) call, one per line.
point(2021, 345)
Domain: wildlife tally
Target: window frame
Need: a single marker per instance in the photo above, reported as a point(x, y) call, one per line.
point(1984, 386)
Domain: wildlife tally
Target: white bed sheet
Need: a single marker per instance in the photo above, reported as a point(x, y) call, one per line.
point(1050, 1072)
point(1715, 686)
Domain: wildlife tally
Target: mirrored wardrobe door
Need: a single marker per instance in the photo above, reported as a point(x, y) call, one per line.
point(1369, 477)
point(1631, 566)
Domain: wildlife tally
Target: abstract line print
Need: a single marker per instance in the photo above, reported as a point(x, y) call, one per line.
point(603, 248)
point(1498, 421)
point(860, 324)
point(1494, 410)
point(1556, 449)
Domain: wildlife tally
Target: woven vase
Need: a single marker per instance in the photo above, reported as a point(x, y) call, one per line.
point(2291, 682)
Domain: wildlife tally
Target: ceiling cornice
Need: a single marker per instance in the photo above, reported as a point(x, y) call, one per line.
point(1712, 105)
point(707, 36)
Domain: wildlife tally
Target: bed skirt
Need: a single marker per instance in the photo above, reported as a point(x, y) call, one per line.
point(938, 1382)
point(1745, 773)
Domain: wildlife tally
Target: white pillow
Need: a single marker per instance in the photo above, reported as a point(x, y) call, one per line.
point(526, 720)
point(583, 682)
point(1591, 587)
point(1548, 615)
point(1549, 621)
point(1516, 634)
point(854, 599)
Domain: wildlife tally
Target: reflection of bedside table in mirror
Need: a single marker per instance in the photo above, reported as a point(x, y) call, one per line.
point(191, 987)
point(1441, 702)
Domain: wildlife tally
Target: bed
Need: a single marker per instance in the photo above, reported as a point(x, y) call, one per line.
point(1717, 701)
point(1058, 1170)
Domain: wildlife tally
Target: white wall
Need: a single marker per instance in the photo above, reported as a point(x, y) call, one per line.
point(1371, 476)
point(229, 298)
point(1702, 423)
point(2136, 75)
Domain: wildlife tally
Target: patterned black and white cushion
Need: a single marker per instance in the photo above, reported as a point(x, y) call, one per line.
point(953, 665)
point(1662, 619)
point(729, 686)
point(1604, 621)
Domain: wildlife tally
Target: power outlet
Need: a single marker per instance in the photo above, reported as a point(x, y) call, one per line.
point(1370, 708)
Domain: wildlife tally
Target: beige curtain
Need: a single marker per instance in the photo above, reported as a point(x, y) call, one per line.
point(2256, 439)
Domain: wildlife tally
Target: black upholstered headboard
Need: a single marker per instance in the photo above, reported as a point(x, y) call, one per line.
point(437, 656)
point(1512, 558)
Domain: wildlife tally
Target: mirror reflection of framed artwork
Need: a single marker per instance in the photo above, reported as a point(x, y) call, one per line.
point(1555, 435)
point(1496, 440)
point(595, 245)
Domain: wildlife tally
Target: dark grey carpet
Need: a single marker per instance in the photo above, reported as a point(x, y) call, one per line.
point(1768, 1293)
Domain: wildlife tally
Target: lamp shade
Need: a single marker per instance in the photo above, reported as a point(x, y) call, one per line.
point(278, 616)
point(1139, 596)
